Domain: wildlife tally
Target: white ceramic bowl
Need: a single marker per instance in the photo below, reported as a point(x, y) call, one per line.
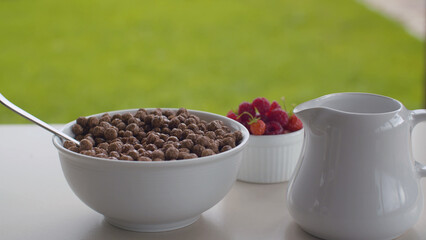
point(271, 158)
point(152, 196)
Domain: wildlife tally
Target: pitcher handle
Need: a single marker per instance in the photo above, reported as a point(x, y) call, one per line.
point(418, 116)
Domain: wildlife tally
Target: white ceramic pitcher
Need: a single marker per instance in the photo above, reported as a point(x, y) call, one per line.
point(356, 178)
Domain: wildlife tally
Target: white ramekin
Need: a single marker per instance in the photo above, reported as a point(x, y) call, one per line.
point(271, 158)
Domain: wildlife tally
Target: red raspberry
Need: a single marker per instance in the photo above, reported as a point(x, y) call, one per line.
point(279, 116)
point(294, 123)
point(273, 128)
point(262, 105)
point(264, 118)
point(245, 107)
point(274, 105)
point(232, 115)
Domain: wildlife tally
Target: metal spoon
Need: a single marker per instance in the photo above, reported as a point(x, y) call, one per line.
point(35, 120)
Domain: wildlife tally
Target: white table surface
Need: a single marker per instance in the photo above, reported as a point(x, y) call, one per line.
point(36, 202)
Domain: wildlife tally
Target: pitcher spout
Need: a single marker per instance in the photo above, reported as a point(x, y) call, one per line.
point(309, 110)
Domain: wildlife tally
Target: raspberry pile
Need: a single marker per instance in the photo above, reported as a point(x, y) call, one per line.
point(261, 117)
point(158, 135)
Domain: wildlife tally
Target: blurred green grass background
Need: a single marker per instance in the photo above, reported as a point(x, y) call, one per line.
point(63, 59)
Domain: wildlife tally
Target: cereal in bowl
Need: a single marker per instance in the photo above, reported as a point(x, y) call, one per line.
point(156, 135)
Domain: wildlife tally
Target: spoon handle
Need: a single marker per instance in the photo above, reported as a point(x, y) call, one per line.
point(35, 120)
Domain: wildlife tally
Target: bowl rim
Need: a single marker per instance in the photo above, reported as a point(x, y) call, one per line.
point(284, 135)
point(57, 142)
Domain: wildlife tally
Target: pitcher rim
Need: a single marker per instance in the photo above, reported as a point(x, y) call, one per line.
point(399, 107)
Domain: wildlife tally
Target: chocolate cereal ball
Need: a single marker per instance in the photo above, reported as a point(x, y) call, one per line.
point(114, 154)
point(88, 152)
point(115, 147)
point(211, 135)
point(177, 132)
point(207, 152)
point(121, 126)
point(103, 145)
point(193, 127)
point(187, 143)
point(82, 121)
point(74, 149)
point(158, 154)
point(134, 154)
point(238, 135)
point(85, 144)
point(111, 133)
point(68, 144)
point(191, 156)
point(133, 128)
point(105, 118)
point(157, 121)
point(203, 140)
point(151, 147)
point(99, 150)
point(225, 148)
point(159, 143)
point(185, 150)
point(127, 147)
point(126, 157)
point(93, 122)
point(77, 129)
point(227, 141)
point(98, 131)
point(174, 123)
point(192, 137)
point(144, 159)
point(198, 149)
point(152, 137)
point(172, 153)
